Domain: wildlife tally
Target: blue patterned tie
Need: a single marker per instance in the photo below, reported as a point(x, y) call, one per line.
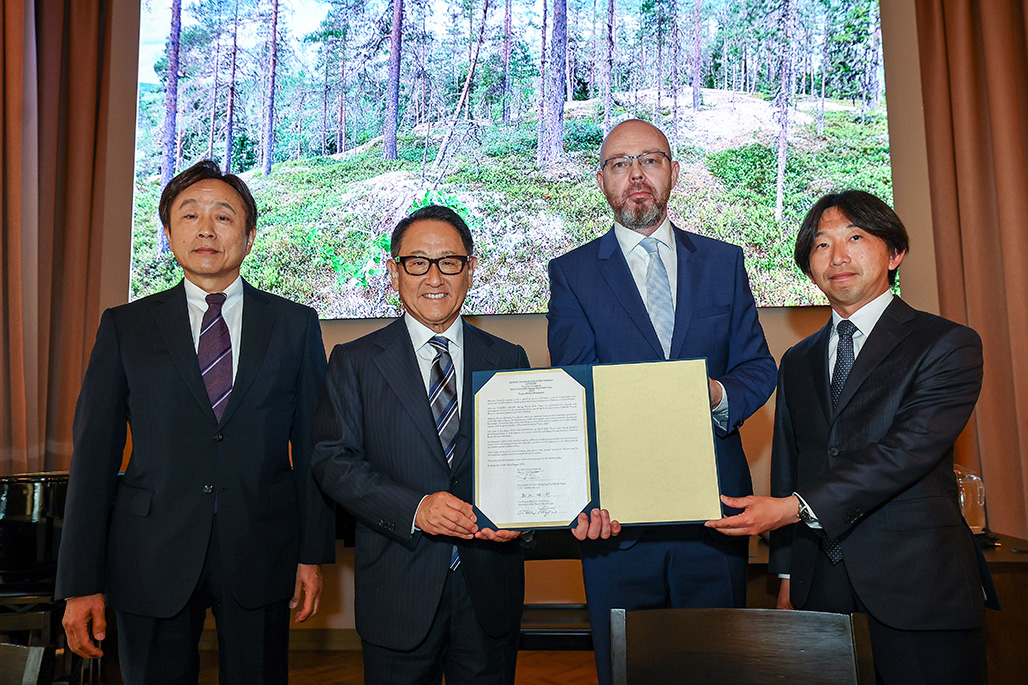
point(215, 354)
point(659, 304)
point(442, 396)
point(843, 363)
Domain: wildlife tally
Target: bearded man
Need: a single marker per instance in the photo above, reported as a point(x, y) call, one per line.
point(645, 291)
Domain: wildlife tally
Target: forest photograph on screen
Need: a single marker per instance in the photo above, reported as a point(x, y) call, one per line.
point(343, 116)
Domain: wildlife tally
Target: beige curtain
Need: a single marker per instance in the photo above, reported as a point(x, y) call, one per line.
point(55, 64)
point(974, 67)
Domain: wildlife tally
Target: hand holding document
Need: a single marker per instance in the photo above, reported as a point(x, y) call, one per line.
point(635, 439)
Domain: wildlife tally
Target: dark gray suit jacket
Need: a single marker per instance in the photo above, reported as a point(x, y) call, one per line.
point(878, 469)
point(377, 453)
point(142, 541)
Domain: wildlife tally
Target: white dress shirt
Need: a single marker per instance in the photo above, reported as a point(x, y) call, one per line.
point(638, 262)
point(231, 311)
point(420, 334)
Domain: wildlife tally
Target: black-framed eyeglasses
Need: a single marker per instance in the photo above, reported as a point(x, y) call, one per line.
point(416, 265)
point(648, 161)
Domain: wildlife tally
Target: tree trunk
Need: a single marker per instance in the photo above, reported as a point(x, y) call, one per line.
point(674, 73)
point(785, 88)
point(608, 69)
point(324, 110)
point(214, 94)
point(441, 155)
point(541, 129)
point(824, 73)
point(232, 91)
point(341, 118)
point(393, 87)
point(168, 134)
point(551, 147)
point(508, 41)
point(269, 137)
point(697, 58)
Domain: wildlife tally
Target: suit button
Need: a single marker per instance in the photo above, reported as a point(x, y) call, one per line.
point(833, 451)
point(219, 437)
point(208, 488)
point(453, 482)
point(738, 424)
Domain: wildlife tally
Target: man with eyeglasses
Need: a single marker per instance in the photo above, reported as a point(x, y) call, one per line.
point(434, 594)
point(644, 291)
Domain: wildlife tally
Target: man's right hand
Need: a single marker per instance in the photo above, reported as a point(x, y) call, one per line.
point(598, 525)
point(443, 514)
point(79, 613)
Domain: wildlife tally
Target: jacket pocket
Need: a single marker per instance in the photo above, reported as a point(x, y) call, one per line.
point(133, 500)
point(917, 514)
point(713, 311)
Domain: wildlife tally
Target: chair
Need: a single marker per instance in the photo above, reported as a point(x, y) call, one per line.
point(739, 646)
point(25, 665)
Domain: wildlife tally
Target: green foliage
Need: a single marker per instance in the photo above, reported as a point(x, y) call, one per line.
point(581, 134)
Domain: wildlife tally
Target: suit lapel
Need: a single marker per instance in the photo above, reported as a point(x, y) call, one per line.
point(477, 357)
point(258, 323)
point(399, 368)
point(616, 273)
point(818, 361)
point(892, 327)
point(172, 319)
point(688, 283)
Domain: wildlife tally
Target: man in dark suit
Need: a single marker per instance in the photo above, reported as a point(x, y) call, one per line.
point(217, 508)
point(868, 409)
point(611, 301)
point(433, 595)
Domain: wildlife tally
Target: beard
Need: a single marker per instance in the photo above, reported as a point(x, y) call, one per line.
point(639, 215)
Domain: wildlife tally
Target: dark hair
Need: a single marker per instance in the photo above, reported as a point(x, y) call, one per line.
point(439, 213)
point(202, 171)
point(864, 211)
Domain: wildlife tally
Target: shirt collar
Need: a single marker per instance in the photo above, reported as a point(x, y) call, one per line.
point(196, 295)
point(867, 316)
point(420, 333)
point(629, 239)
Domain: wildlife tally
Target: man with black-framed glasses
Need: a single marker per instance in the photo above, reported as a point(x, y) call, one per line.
point(644, 291)
point(434, 594)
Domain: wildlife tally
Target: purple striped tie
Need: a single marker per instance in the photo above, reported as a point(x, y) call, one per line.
point(215, 354)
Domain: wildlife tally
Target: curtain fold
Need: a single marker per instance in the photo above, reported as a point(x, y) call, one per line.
point(974, 70)
point(52, 140)
point(21, 444)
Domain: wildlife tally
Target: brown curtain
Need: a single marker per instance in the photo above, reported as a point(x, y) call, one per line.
point(56, 60)
point(974, 70)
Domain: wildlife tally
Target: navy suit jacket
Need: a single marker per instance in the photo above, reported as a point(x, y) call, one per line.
point(142, 540)
point(597, 315)
point(877, 470)
point(378, 454)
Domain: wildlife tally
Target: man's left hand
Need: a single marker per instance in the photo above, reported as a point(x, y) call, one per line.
point(759, 514)
point(497, 535)
point(308, 591)
point(716, 392)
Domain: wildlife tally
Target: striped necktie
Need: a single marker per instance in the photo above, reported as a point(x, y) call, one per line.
point(215, 354)
point(442, 396)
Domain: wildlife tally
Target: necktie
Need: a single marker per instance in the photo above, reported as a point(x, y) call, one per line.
point(843, 364)
point(442, 396)
point(843, 358)
point(215, 354)
point(658, 296)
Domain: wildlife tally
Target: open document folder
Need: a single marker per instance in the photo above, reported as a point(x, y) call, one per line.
point(636, 439)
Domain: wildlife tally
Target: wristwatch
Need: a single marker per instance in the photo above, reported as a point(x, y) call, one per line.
point(803, 512)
